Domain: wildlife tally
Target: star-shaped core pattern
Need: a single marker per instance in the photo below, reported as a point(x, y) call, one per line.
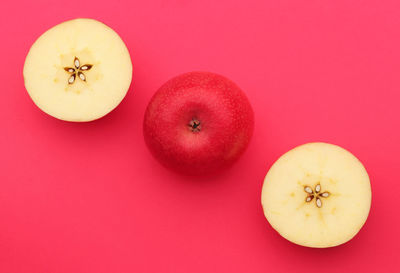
point(77, 71)
point(315, 193)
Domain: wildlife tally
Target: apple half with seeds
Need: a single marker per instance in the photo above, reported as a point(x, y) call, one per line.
point(79, 70)
point(317, 195)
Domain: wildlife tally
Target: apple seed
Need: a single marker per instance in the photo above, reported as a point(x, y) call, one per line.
point(315, 193)
point(77, 71)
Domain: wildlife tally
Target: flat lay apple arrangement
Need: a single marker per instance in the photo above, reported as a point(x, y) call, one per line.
point(316, 195)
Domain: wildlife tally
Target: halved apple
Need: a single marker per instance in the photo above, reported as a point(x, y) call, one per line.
point(317, 195)
point(79, 70)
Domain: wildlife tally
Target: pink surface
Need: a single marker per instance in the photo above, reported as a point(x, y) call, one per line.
point(90, 198)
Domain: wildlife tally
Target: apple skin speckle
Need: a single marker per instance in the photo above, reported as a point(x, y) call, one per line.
point(225, 115)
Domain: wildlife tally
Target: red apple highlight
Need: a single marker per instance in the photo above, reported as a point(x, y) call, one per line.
point(198, 123)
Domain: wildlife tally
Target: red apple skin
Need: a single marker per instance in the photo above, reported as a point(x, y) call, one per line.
point(198, 123)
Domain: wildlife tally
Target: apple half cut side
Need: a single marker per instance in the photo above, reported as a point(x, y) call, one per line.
point(317, 195)
point(198, 123)
point(79, 70)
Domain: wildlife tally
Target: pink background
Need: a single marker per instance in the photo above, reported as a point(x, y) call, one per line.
point(90, 198)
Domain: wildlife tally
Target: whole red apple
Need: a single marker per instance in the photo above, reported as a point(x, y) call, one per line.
point(198, 123)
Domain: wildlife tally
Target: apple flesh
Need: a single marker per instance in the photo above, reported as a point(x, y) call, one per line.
point(317, 195)
point(198, 123)
point(79, 70)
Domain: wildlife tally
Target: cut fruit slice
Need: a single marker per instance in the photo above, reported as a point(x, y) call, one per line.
point(317, 195)
point(79, 70)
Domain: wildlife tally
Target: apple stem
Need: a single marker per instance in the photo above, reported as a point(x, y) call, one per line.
point(195, 125)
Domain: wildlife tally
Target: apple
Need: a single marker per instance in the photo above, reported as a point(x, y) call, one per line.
point(79, 70)
point(317, 195)
point(198, 123)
